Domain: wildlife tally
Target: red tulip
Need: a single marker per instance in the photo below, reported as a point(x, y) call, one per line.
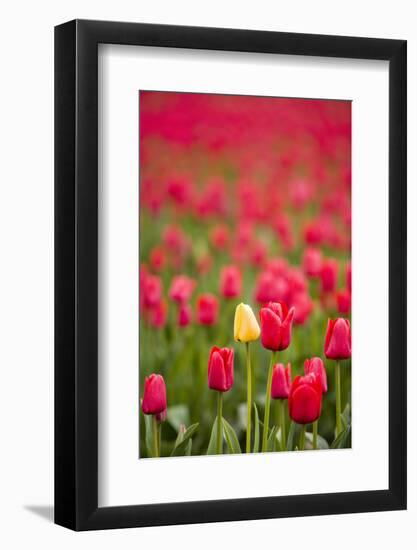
point(328, 275)
point(184, 315)
point(312, 262)
point(158, 314)
point(152, 290)
point(276, 324)
point(157, 258)
point(303, 306)
point(220, 369)
point(315, 366)
point(230, 282)
point(343, 301)
point(338, 339)
point(270, 288)
point(154, 395)
point(181, 288)
point(207, 309)
point(304, 400)
point(281, 381)
point(219, 236)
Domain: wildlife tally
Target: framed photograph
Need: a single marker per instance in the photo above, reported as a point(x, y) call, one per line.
point(230, 284)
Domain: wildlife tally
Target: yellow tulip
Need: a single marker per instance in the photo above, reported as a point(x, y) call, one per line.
point(246, 327)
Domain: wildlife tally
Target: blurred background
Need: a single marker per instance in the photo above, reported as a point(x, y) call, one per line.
point(242, 199)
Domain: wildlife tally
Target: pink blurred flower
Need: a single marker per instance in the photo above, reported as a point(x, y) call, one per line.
point(157, 314)
point(312, 262)
point(343, 299)
point(328, 275)
point(185, 315)
point(207, 309)
point(181, 289)
point(230, 282)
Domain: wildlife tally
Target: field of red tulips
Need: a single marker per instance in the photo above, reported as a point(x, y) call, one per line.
point(245, 275)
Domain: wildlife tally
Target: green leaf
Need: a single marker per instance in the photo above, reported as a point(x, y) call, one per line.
point(189, 447)
point(321, 442)
point(256, 430)
point(231, 438)
point(149, 435)
point(343, 440)
point(211, 450)
point(177, 415)
point(271, 439)
point(346, 416)
point(181, 448)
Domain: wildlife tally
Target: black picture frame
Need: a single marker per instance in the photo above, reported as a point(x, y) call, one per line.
point(76, 272)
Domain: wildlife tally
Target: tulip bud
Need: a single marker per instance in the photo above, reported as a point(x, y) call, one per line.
point(304, 400)
point(246, 328)
point(315, 366)
point(338, 339)
point(184, 315)
point(276, 324)
point(181, 288)
point(220, 369)
point(157, 314)
point(154, 395)
point(152, 290)
point(343, 301)
point(312, 262)
point(281, 381)
point(328, 275)
point(230, 282)
point(207, 309)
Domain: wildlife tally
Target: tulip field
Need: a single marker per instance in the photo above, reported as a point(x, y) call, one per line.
point(245, 274)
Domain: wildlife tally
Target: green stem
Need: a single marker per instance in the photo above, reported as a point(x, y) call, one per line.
point(155, 435)
point(219, 423)
point(338, 400)
point(315, 430)
point(249, 399)
point(281, 405)
point(301, 443)
point(267, 404)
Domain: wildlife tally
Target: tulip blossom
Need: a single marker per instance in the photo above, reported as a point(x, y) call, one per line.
point(157, 258)
point(219, 237)
point(303, 306)
point(246, 328)
point(220, 378)
point(157, 314)
point(207, 309)
point(152, 290)
point(280, 390)
point(315, 366)
point(304, 400)
point(343, 299)
point(270, 288)
point(154, 395)
point(220, 369)
point(312, 262)
point(281, 381)
point(181, 288)
point(338, 346)
point(338, 339)
point(276, 324)
point(185, 315)
point(328, 275)
point(230, 282)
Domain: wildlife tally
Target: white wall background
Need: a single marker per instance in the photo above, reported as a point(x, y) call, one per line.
point(26, 270)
